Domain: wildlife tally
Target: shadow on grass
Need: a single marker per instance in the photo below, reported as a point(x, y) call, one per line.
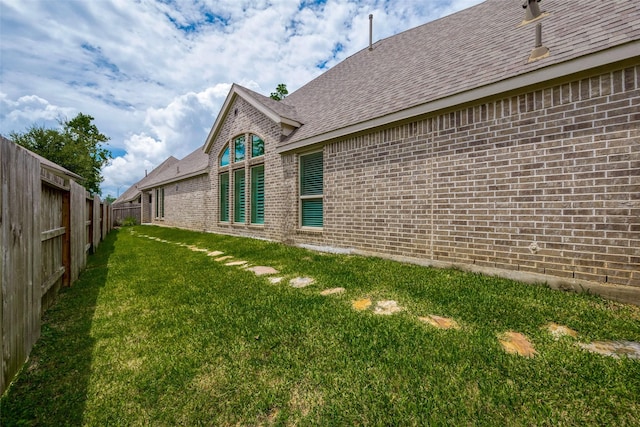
point(52, 387)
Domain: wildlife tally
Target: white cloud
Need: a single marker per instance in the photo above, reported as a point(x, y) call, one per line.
point(154, 74)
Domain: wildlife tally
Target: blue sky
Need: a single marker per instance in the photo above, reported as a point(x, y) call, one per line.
point(154, 73)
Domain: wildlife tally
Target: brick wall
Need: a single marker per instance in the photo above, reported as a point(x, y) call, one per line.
point(185, 203)
point(546, 181)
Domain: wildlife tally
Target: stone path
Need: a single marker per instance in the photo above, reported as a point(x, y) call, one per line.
point(512, 342)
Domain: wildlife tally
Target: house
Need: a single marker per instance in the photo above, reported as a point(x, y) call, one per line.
point(180, 192)
point(131, 203)
point(497, 139)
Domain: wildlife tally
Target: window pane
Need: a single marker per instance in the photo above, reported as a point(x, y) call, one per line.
point(311, 175)
point(238, 149)
point(224, 197)
point(257, 195)
point(224, 159)
point(257, 146)
point(238, 196)
point(312, 213)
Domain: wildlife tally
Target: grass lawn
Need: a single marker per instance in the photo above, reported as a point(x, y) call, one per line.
point(158, 334)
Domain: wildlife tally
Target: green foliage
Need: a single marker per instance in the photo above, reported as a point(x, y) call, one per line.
point(76, 146)
point(129, 221)
point(280, 93)
point(109, 198)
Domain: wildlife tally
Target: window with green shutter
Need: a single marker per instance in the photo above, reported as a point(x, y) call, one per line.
point(224, 196)
point(257, 194)
point(311, 189)
point(238, 195)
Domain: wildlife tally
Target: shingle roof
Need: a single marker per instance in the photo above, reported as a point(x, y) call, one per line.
point(478, 46)
point(194, 164)
point(133, 192)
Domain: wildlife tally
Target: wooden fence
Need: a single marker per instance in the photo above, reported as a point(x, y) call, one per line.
point(125, 211)
point(48, 226)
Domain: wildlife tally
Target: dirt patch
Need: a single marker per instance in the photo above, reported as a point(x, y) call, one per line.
point(559, 331)
point(361, 304)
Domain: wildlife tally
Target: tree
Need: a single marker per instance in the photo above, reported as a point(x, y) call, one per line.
point(109, 199)
point(280, 93)
point(77, 146)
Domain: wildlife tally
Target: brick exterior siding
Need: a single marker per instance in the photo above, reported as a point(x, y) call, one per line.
point(185, 204)
point(544, 181)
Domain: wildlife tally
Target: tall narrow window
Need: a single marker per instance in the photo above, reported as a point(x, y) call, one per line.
point(159, 202)
point(257, 194)
point(224, 197)
point(238, 195)
point(224, 157)
point(257, 146)
point(311, 188)
point(238, 149)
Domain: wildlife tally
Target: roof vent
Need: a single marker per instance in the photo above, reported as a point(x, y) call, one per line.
point(370, 31)
point(532, 10)
point(539, 51)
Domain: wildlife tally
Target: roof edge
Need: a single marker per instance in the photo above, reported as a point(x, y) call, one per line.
point(204, 171)
point(583, 63)
point(237, 90)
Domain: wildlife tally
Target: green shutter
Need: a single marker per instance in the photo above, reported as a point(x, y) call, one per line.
point(238, 195)
point(257, 195)
point(224, 196)
point(162, 203)
point(311, 184)
point(311, 175)
point(312, 213)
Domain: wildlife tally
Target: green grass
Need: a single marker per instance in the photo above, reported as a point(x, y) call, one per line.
point(157, 334)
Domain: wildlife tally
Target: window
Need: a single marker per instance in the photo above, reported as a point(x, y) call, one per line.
point(241, 180)
point(257, 194)
point(224, 158)
point(238, 195)
point(238, 146)
point(257, 146)
point(311, 188)
point(224, 196)
point(159, 202)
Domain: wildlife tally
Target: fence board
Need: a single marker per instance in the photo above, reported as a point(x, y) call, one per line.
point(129, 210)
point(78, 229)
point(21, 255)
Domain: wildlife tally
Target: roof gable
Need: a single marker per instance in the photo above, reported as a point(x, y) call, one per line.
point(277, 111)
point(133, 192)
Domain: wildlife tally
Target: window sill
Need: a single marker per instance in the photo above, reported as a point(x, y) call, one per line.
point(309, 230)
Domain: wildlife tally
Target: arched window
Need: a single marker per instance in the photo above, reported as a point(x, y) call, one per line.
point(241, 180)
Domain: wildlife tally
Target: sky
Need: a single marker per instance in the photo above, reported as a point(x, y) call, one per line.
point(155, 73)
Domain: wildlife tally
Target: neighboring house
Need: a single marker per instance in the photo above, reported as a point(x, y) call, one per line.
point(131, 201)
point(180, 193)
point(453, 143)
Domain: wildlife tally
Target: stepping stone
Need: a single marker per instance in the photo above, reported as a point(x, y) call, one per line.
point(261, 270)
point(387, 307)
point(559, 331)
point(275, 280)
point(361, 304)
point(440, 322)
point(236, 263)
point(332, 291)
point(301, 282)
point(615, 349)
point(214, 253)
point(224, 258)
point(517, 343)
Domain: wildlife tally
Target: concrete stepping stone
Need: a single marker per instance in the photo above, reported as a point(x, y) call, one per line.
point(224, 258)
point(361, 304)
point(214, 253)
point(333, 291)
point(440, 322)
point(301, 282)
point(236, 263)
point(615, 349)
point(386, 308)
point(559, 331)
point(275, 280)
point(517, 343)
point(262, 270)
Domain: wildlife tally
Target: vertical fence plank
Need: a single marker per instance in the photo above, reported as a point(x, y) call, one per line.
point(21, 255)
